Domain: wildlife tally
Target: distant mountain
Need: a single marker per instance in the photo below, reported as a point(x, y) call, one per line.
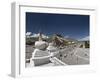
point(59, 40)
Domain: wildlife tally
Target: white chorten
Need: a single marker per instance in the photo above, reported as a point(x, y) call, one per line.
point(40, 56)
point(51, 47)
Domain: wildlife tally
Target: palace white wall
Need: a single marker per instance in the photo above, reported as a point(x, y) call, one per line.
point(5, 41)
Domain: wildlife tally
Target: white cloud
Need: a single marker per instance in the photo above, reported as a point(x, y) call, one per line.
point(37, 35)
point(84, 39)
point(28, 33)
point(66, 36)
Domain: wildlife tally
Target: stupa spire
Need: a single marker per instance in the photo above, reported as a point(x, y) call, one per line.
point(40, 35)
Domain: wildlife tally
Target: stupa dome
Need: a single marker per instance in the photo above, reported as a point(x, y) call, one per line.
point(41, 44)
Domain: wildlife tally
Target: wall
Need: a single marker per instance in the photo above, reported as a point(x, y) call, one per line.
point(5, 41)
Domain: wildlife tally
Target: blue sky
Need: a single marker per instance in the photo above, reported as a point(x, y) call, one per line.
point(69, 25)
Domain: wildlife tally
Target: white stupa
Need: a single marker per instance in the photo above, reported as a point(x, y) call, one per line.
point(51, 47)
point(40, 56)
